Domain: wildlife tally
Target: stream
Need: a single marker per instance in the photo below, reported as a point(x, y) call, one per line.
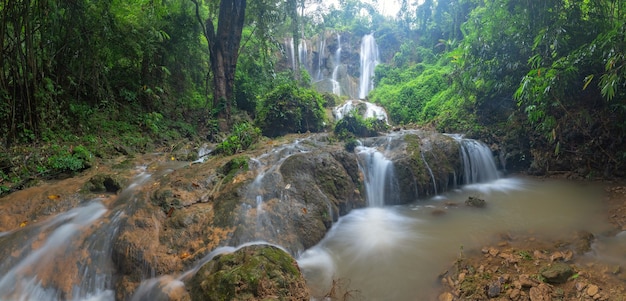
point(395, 252)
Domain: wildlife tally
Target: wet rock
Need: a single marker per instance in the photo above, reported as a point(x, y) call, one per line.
point(104, 183)
point(258, 272)
point(557, 273)
point(475, 202)
point(583, 242)
point(494, 289)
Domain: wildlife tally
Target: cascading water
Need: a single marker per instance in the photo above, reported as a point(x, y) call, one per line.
point(321, 53)
point(303, 54)
point(379, 175)
point(369, 60)
point(478, 162)
point(337, 63)
point(371, 110)
point(76, 244)
point(292, 53)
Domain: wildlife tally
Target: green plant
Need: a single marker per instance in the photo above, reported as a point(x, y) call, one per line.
point(70, 160)
point(243, 136)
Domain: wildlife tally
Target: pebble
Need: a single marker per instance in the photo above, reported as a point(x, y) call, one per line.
point(592, 290)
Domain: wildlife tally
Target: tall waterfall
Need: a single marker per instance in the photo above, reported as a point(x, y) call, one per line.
point(292, 53)
point(320, 59)
point(303, 54)
point(337, 63)
point(478, 162)
point(369, 60)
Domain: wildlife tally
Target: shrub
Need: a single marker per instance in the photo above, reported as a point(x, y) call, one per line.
point(355, 125)
point(290, 109)
point(243, 136)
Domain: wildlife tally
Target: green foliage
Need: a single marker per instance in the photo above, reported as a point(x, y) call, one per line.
point(244, 135)
point(70, 160)
point(290, 109)
point(234, 166)
point(353, 124)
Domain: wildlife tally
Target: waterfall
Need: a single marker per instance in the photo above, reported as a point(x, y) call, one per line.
point(292, 53)
point(478, 161)
point(303, 54)
point(369, 60)
point(320, 58)
point(379, 175)
point(371, 110)
point(337, 63)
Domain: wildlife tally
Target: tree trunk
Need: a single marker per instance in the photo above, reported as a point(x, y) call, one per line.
point(223, 52)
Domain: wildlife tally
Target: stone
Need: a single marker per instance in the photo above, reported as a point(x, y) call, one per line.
point(447, 296)
point(557, 273)
point(257, 272)
point(592, 290)
point(475, 202)
point(494, 289)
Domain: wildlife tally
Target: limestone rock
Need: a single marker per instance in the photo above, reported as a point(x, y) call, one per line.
point(557, 273)
point(475, 202)
point(258, 272)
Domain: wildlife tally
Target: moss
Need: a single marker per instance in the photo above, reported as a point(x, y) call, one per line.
point(234, 166)
point(251, 273)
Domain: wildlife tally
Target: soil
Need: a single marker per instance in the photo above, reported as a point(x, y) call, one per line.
point(524, 266)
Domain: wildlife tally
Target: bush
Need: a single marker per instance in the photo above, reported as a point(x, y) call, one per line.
point(243, 136)
point(66, 160)
point(355, 125)
point(290, 109)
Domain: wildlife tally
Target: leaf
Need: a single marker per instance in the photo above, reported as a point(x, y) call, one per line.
point(587, 81)
point(23, 224)
point(53, 197)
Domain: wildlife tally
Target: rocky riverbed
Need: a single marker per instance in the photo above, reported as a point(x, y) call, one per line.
point(527, 266)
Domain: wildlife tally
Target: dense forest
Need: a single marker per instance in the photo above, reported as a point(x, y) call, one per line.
point(544, 82)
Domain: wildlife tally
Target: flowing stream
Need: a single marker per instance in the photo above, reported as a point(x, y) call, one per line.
point(396, 252)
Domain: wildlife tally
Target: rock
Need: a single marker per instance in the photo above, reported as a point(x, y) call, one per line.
point(475, 202)
point(447, 296)
point(592, 290)
point(258, 272)
point(540, 293)
point(494, 289)
point(557, 273)
point(103, 183)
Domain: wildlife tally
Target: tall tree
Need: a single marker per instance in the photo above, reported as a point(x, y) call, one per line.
point(223, 42)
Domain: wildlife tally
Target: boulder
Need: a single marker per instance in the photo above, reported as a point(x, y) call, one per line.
point(257, 272)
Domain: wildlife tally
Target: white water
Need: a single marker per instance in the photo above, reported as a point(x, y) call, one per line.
point(371, 110)
point(292, 53)
point(320, 58)
point(478, 163)
point(337, 63)
point(378, 172)
point(303, 53)
point(369, 60)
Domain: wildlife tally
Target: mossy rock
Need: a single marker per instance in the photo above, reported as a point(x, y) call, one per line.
point(104, 183)
point(258, 272)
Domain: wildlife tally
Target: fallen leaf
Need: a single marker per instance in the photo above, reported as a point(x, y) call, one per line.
point(173, 158)
point(184, 255)
point(23, 224)
point(304, 210)
point(53, 196)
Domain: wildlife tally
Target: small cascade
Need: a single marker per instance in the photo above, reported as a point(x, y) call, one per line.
point(379, 175)
point(370, 110)
point(478, 161)
point(430, 171)
point(369, 60)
